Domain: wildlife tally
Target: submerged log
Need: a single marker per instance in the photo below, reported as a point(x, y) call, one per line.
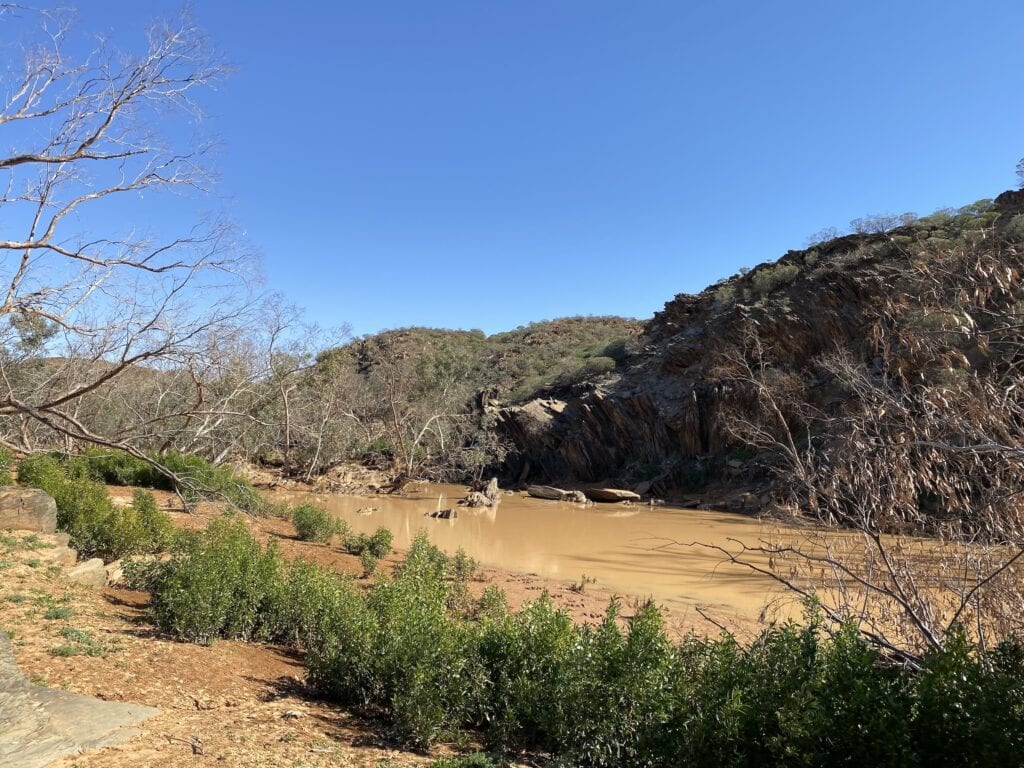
point(610, 495)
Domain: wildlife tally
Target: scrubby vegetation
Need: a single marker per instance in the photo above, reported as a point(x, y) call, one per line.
point(314, 523)
point(616, 694)
point(199, 478)
point(97, 526)
point(6, 465)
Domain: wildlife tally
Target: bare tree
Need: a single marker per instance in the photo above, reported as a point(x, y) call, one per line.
point(912, 469)
point(97, 143)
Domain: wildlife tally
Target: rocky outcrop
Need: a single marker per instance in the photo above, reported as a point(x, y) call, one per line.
point(27, 509)
point(39, 726)
point(659, 418)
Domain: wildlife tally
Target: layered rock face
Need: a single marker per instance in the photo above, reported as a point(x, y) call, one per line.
point(660, 416)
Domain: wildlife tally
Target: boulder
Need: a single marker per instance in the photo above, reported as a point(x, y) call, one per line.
point(488, 497)
point(475, 499)
point(115, 572)
point(610, 495)
point(91, 573)
point(492, 491)
point(546, 492)
point(27, 509)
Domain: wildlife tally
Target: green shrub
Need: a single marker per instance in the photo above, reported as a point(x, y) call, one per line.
point(970, 710)
point(40, 470)
point(308, 601)
point(615, 694)
point(369, 562)
point(120, 468)
point(379, 544)
point(223, 584)
point(316, 524)
point(97, 527)
point(430, 679)
point(767, 279)
point(201, 479)
point(527, 658)
point(6, 465)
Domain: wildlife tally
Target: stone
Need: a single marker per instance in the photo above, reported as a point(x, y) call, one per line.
point(576, 497)
point(27, 509)
point(444, 514)
point(91, 573)
point(492, 491)
point(58, 555)
point(488, 497)
point(38, 726)
point(115, 572)
point(546, 492)
point(611, 495)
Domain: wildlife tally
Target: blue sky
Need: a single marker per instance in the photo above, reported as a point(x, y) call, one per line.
point(486, 164)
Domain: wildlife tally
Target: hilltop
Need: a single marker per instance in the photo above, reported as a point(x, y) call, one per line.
point(916, 306)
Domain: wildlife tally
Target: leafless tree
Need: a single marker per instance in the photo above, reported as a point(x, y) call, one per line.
point(92, 290)
point(912, 467)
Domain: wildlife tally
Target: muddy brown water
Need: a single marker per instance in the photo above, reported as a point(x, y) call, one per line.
point(636, 551)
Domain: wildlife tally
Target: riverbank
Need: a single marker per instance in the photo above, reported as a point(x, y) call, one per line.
point(231, 703)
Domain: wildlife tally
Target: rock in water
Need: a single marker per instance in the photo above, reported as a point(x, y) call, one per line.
point(610, 495)
point(444, 514)
point(546, 492)
point(27, 509)
point(492, 491)
point(490, 496)
point(476, 499)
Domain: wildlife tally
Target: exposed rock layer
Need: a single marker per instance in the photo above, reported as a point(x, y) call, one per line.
point(658, 419)
point(39, 725)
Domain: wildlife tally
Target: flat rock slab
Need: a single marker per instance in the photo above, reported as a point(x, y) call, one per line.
point(27, 509)
point(610, 495)
point(40, 725)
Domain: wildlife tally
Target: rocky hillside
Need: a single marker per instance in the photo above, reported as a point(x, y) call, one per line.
point(658, 419)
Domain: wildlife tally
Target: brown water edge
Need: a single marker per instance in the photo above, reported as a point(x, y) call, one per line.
point(635, 551)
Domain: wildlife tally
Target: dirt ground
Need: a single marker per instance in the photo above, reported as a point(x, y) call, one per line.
point(229, 704)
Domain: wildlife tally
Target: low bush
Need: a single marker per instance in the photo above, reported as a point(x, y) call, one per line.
point(616, 694)
point(6, 465)
point(200, 478)
point(315, 523)
point(422, 670)
point(222, 584)
point(378, 545)
point(97, 527)
point(767, 279)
